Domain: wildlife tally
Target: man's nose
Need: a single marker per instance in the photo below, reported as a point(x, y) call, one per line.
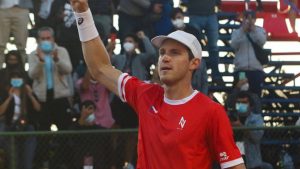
point(165, 58)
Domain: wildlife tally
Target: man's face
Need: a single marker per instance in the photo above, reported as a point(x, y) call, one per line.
point(249, 20)
point(173, 63)
point(243, 106)
point(12, 60)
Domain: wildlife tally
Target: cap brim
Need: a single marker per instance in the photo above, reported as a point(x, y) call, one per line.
point(158, 40)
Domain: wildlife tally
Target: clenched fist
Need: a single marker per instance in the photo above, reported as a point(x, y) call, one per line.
point(79, 6)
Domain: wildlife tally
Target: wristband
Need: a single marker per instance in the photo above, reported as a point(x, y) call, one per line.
point(86, 26)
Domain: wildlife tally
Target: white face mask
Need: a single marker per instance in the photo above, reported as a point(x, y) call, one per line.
point(178, 23)
point(245, 87)
point(90, 118)
point(128, 46)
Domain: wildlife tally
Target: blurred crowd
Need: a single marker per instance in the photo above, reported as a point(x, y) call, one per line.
point(58, 86)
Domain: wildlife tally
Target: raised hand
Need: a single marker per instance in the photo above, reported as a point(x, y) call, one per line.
point(79, 5)
point(140, 34)
point(28, 90)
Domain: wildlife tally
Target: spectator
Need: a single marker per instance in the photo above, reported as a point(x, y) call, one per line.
point(203, 17)
point(177, 18)
point(13, 62)
point(47, 13)
point(243, 85)
point(248, 140)
point(92, 146)
point(102, 11)
point(245, 59)
point(134, 61)
point(90, 89)
point(158, 19)
point(137, 64)
point(131, 16)
point(50, 68)
point(14, 16)
point(18, 106)
point(259, 6)
point(199, 79)
point(67, 35)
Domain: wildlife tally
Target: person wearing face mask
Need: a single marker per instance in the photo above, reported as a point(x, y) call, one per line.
point(248, 141)
point(19, 108)
point(86, 148)
point(243, 85)
point(50, 69)
point(177, 19)
point(136, 63)
point(13, 62)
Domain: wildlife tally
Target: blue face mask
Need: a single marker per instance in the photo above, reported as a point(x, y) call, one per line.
point(16, 82)
point(46, 46)
point(241, 108)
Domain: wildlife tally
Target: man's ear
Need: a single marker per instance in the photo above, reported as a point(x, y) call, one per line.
point(195, 63)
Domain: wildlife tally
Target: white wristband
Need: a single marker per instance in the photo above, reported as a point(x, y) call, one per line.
point(86, 26)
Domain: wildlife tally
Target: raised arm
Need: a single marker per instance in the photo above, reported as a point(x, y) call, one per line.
point(95, 54)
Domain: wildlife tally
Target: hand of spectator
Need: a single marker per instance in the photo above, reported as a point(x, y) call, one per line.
point(157, 8)
point(246, 25)
point(55, 55)
point(28, 90)
point(11, 91)
point(241, 83)
point(40, 54)
point(79, 5)
point(236, 123)
point(140, 34)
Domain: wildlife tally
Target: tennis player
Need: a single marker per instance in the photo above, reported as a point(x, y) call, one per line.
point(179, 128)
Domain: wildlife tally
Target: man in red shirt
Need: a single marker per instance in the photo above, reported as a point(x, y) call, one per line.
point(178, 127)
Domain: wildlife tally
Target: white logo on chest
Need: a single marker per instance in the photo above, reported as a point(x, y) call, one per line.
point(182, 122)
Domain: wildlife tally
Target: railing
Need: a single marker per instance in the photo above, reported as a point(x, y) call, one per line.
point(67, 149)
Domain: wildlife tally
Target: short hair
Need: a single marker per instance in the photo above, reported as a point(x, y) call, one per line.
point(249, 13)
point(87, 103)
point(45, 28)
point(175, 11)
point(133, 36)
point(246, 94)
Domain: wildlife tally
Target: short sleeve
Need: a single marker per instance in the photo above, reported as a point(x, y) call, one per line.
point(221, 139)
point(129, 89)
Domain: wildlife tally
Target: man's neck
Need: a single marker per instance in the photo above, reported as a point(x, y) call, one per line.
point(177, 92)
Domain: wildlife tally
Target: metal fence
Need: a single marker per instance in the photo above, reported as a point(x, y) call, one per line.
point(109, 149)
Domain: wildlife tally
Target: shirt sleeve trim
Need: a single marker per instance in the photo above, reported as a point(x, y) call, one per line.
point(123, 78)
point(232, 163)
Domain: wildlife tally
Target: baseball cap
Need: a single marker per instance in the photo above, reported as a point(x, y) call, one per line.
point(185, 38)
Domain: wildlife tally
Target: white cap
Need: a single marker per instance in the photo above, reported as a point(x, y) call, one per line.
point(185, 38)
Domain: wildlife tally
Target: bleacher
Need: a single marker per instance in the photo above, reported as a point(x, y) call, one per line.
point(281, 96)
